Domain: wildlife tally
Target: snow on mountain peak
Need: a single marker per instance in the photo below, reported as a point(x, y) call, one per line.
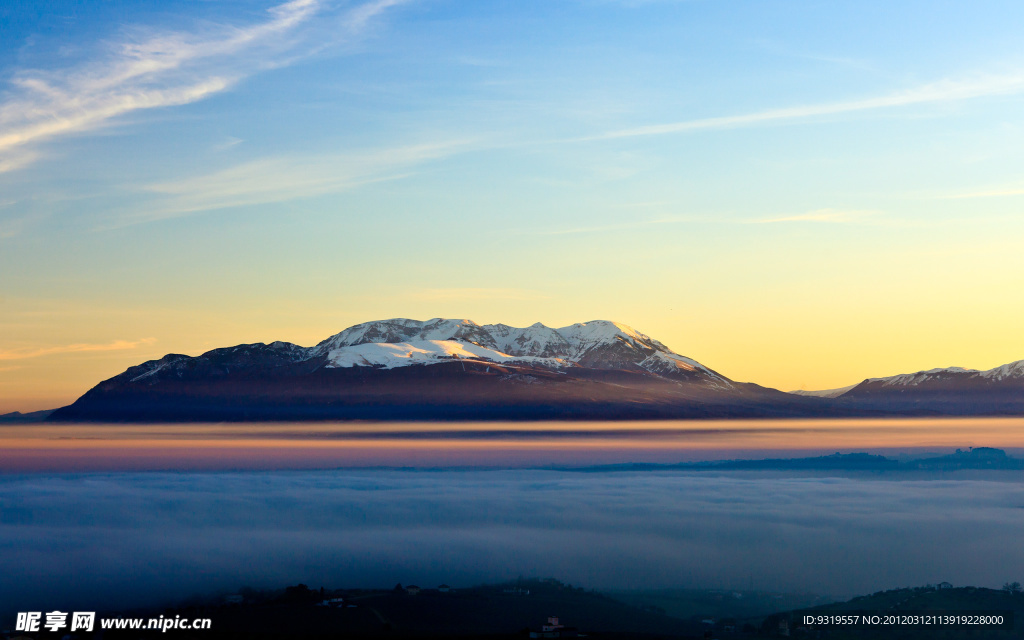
point(596, 344)
point(396, 330)
point(397, 354)
point(914, 379)
point(1011, 370)
point(536, 340)
point(939, 375)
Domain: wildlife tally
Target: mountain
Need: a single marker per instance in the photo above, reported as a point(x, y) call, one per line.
point(948, 391)
point(599, 344)
point(439, 369)
point(456, 369)
point(824, 393)
point(32, 416)
point(986, 458)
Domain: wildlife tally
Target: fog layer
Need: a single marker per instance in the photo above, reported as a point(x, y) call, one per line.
point(120, 540)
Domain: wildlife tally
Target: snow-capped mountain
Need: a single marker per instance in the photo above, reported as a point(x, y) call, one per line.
point(946, 390)
point(400, 342)
point(1011, 371)
point(938, 377)
point(433, 369)
point(920, 377)
point(598, 344)
point(456, 369)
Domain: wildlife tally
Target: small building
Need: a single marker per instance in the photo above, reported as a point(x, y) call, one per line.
point(412, 590)
point(943, 585)
point(332, 602)
point(234, 599)
point(444, 588)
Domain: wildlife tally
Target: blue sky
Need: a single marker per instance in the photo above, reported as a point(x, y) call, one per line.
point(798, 194)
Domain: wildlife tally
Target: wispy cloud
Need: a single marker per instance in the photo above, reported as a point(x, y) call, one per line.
point(832, 216)
point(228, 143)
point(284, 178)
point(152, 70)
point(993, 193)
point(944, 91)
point(469, 293)
point(13, 226)
point(117, 345)
point(16, 159)
point(360, 16)
point(784, 49)
point(603, 228)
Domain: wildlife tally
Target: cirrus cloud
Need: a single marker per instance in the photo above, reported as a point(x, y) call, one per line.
point(150, 70)
point(116, 345)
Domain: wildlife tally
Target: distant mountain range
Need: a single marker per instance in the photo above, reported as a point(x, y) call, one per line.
point(951, 390)
point(31, 416)
point(443, 369)
point(976, 458)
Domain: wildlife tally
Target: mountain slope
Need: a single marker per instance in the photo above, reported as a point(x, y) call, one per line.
point(598, 344)
point(456, 369)
point(824, 393)
point(949, 391)
point(439, 369)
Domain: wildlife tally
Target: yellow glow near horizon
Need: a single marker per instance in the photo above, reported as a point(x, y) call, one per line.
point(800, 307)
point(749, 341)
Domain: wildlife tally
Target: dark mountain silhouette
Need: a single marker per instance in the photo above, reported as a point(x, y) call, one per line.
point(946, 391)
point(442, 369)
point(436, 370)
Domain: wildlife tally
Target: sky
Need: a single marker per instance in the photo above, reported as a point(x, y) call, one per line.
point(799, 194)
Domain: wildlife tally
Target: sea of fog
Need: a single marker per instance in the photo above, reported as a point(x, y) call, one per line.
point(115, 538)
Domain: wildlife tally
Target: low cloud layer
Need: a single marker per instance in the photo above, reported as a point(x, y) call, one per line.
point(130, 539)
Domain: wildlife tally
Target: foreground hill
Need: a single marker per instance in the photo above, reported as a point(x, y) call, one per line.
point(513, 610)
point(496, 612)
point(439, 369)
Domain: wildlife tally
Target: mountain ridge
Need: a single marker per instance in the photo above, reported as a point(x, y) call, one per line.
point(943, 391)
point(927, 377)
point(456, 369)
point(437, 369)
